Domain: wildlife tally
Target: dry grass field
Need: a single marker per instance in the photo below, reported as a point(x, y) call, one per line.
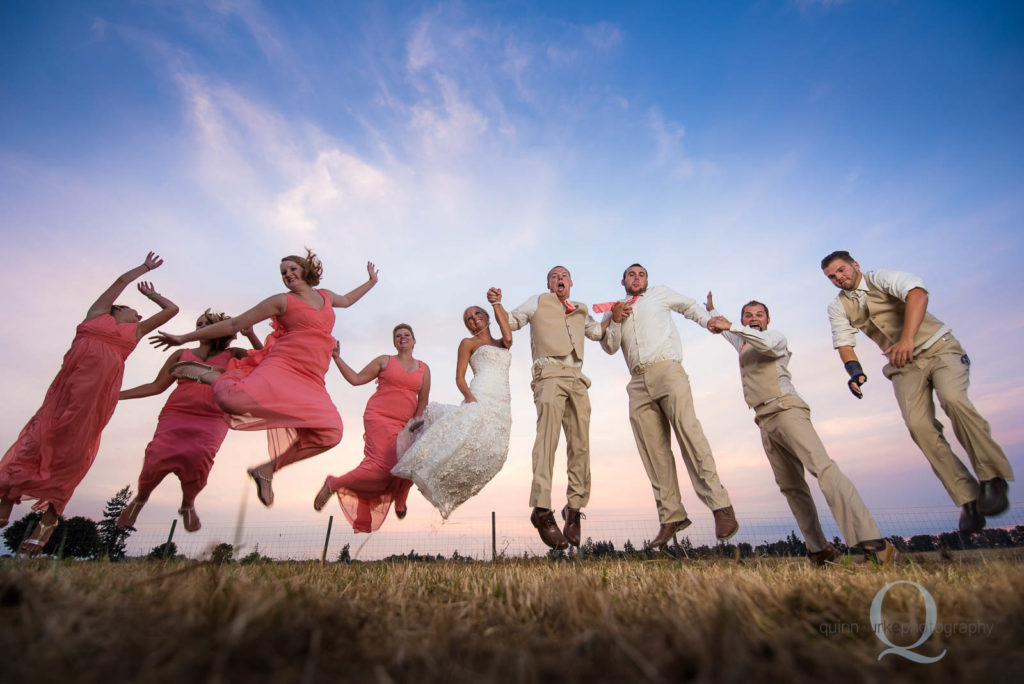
point(658, 620)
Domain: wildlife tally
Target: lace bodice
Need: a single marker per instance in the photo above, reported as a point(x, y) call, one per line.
point(490, 373)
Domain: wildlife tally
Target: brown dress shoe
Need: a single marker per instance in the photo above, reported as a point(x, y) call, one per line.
point(667, 531)
point(827, 555)
point(571, 516)
point(725, 523)
point(881, 551)
point(544, 520)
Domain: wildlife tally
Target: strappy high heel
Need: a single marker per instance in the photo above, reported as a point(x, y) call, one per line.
point(193, 370)
point(33, 546)
point(264, 492)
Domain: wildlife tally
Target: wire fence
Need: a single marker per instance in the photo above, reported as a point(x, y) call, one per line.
point(480, 538)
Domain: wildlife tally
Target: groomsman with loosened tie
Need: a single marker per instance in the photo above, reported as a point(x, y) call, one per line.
point(660, 398)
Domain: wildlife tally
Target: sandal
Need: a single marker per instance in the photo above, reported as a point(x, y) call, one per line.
point(264, 492)
point(322, 497)
point(190, 518)
point(130, 513)
point(193, 370)
point(33, 546)
point(5, 512)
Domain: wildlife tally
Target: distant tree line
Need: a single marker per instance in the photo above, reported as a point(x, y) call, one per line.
point(82, 538)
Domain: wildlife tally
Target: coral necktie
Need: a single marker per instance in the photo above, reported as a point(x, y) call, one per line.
point(604, 307)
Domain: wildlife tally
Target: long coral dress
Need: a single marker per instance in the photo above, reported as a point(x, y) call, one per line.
point(281, 386)
point(59, 444)
point(366, 492)
point(188, 434)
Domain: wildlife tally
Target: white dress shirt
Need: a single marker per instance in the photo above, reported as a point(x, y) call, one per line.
point(649, 334)
point(896, 283)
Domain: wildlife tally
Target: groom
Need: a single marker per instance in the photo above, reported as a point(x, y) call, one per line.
point(557, 328)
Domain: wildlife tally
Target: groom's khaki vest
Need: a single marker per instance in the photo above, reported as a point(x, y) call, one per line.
point(882, 321)
point(555, 333)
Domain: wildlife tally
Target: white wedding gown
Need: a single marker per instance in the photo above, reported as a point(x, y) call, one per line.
point(460, 448)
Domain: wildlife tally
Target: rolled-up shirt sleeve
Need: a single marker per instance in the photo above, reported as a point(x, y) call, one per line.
point(896, 283)
point(843, 333)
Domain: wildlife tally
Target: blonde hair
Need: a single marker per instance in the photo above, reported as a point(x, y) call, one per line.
point(312, 267)
point(211, 317)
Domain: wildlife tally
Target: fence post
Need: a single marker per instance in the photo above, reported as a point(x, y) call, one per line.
point(494, 540)
point(170, 536)
point(327, 540)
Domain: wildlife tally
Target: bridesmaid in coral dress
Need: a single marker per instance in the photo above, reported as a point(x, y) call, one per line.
point(279, 388)
point(403, 389)
point(191, 426)
point(57, 447)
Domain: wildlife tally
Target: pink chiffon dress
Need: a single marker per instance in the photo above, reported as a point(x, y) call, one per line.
point(188, 434)
point(366, 492)
point(281, 387)
point(59, 444)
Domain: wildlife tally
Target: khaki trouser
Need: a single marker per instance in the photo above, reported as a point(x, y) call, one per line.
point(944, 368)
point(791, 445)
point(660, 398)
point(560, 394)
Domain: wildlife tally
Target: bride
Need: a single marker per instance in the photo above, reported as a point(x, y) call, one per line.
point(453, 451)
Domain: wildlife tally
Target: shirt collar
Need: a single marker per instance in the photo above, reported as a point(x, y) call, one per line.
point(862, 288)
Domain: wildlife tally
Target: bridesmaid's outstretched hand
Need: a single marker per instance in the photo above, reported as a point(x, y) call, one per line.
point(163, 340)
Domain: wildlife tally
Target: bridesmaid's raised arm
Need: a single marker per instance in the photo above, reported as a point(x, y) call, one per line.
point(106, 300)
point(346, 300)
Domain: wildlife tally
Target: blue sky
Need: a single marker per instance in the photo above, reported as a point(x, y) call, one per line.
point(727, 146)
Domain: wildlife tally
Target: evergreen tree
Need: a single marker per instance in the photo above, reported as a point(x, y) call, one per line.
point(114, 539)
point(344, 556)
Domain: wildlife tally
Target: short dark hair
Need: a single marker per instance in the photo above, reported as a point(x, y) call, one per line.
point(754, 302)
point(838, 254)
point(631, 266)
point(558, 266)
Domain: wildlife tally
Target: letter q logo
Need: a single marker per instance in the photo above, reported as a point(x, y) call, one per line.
point(878, 625)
